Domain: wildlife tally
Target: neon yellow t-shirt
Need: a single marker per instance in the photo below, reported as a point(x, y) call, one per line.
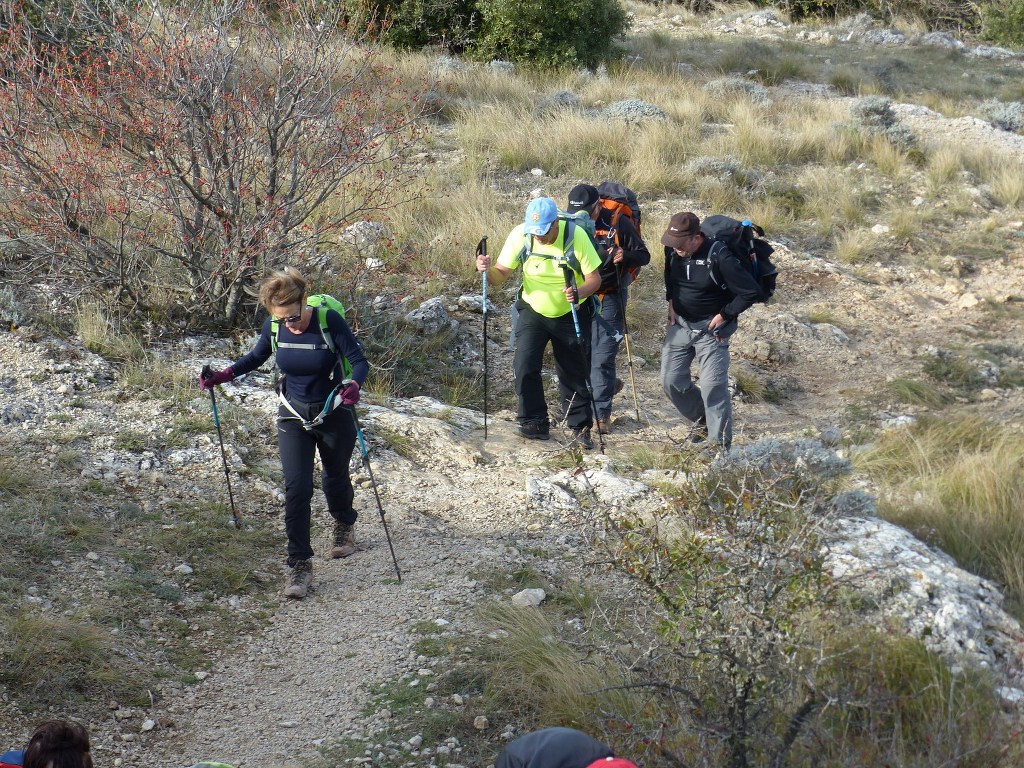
point(543, 278)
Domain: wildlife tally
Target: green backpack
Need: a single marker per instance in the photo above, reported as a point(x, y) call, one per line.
point(323, 303)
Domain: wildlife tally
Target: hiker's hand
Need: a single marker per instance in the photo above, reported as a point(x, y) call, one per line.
point(572, 295)
point(350, 394)
point(216, 377)
point(617, 255)
point(483, 262)
point(671, 314)
point(715, 327)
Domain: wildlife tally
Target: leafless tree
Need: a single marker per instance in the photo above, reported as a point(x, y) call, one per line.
point(173, 153)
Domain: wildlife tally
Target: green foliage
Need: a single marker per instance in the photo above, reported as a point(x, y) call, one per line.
point(955, 371)
point(561, 34)
point(748, 669)
point(451, 24)
point(917, 392)
point(1004, 22)
point(935, 713)
point(551, 34)
point(13, 477)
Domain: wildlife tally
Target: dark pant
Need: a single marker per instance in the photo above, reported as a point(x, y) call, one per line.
point(335, 439)
point(605, 348)
point(572, 364)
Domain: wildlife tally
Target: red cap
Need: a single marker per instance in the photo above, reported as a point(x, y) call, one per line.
point(611, 762)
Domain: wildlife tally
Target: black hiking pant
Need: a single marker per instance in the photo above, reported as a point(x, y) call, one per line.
point(335, 440)
point(572, 364)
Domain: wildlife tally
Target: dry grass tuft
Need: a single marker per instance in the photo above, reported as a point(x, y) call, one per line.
point(959, 482)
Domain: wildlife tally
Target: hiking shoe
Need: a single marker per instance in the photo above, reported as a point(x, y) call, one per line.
point(534, 430)
point(698, 431)
point(618, 387)
point(301, 578)
point(604, 426)
point(344, 540)
point(582, 436)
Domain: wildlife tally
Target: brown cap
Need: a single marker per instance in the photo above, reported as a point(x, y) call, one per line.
point(681, 226)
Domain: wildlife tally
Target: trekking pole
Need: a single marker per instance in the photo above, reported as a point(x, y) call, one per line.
point(376, 493)
point(570, 282)
point(235, 518)
point(481, 250)
point(625, 336)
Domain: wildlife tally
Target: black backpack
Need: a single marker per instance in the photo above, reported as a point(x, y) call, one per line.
point(754, 252)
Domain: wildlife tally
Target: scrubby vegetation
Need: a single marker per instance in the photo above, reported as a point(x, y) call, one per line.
point(724, 650)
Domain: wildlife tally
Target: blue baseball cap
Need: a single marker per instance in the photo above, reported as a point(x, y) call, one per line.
point(540, 214)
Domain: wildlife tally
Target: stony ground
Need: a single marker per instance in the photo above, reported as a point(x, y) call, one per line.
point(458, 506)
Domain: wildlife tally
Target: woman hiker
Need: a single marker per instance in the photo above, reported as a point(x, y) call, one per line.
point(315, 413)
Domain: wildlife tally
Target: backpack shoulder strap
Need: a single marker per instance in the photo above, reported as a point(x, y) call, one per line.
point(321, 312)
point(568, 246)
point(616, 215)
point(714, 256)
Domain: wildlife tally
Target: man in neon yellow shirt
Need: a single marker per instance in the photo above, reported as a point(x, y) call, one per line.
point(552, 253)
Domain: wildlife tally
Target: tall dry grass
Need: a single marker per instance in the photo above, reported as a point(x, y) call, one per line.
point(959, 483)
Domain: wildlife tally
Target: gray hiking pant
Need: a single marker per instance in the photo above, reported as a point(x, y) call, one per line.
point(709, 401)
point(604, 348)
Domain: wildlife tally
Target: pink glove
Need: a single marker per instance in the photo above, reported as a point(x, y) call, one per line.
point(209, 379)
point(350, 394)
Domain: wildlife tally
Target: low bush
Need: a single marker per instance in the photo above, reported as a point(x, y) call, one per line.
point(56, 660)
point(560, 34)
point(1003, 22)
point(451, 24)
point(728, 654)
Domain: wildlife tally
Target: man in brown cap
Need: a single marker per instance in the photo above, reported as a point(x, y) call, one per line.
point(706, 288)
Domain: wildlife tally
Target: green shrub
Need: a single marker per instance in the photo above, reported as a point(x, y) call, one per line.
point(560, 34)
point(1003, 22)
point(451, 24)
point(955, 371)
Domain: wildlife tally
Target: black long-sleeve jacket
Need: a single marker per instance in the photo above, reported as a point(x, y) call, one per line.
point(634, 250)
point(698, 294)
point(552, 748)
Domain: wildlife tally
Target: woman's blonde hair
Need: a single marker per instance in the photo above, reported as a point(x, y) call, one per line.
point(283, 287)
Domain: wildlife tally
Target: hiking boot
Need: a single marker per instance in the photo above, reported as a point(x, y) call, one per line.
point(694, 433)
point(618, 387)
point(301, 578)
point(698, 431)
point(344, 540)
point(604, 426)
point(534, 430)
point(582, 436)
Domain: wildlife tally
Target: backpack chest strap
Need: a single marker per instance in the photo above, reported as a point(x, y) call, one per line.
point(294, 345)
